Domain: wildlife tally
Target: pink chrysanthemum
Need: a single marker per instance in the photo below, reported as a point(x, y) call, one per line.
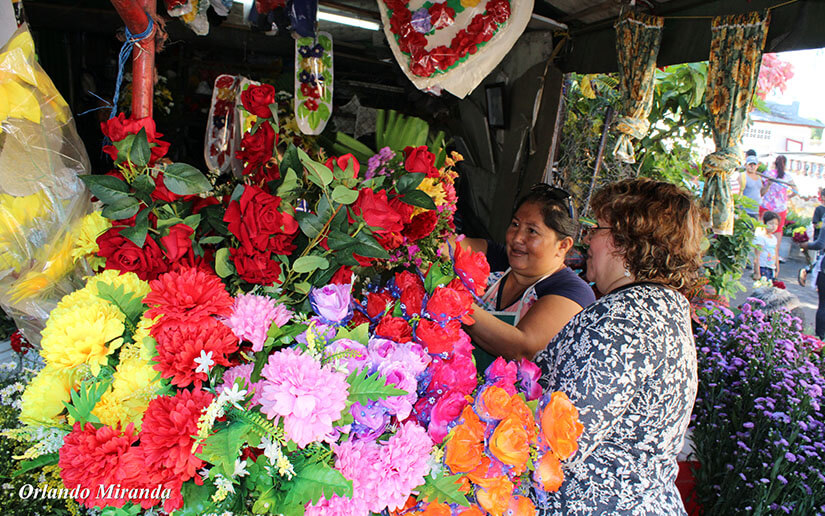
point(242, 371)
point(252, 315)
point(188, 293)
point(309, 397)
point(95, 457)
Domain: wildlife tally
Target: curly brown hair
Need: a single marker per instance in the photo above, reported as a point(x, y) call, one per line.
point(658, 228)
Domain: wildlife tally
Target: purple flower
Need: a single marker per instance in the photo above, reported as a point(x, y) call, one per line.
point(305, 51)
point(790, 457)
point(370, 420)
point(421, 21)
point(317, 50)
point(333, 303)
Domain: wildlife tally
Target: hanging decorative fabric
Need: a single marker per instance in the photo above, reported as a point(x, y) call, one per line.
point(303, 16)
point(219, 145)
point(313, 83)
point(735, 56)
point(637, 45)
point(455, 44)
point(178, 7)
point(196, 18)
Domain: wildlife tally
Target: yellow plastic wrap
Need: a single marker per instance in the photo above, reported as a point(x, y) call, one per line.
point(42, 199)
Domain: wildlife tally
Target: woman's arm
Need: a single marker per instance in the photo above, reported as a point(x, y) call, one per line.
point(756, 272)
point(817, 244)
point(540, 324)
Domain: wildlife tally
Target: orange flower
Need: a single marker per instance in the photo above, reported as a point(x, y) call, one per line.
point(521, 506)
point(548, 473)
point(479, 474)
point(520, 409)
point(411, 502)
point(437, 509)
point(494, 402)
point(509, 444)
point(466, 446)
point(494, 494)
point(471, 511)
point(560, 425)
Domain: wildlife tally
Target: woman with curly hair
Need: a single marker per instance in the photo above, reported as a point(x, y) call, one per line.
point(628, 361)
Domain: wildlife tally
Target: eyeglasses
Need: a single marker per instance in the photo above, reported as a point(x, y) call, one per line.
point(589, 227)
point(556, 194)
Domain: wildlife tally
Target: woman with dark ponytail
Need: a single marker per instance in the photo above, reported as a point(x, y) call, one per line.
point(775, 195)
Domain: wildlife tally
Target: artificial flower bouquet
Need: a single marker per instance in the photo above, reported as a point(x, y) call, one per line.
point(800, 235)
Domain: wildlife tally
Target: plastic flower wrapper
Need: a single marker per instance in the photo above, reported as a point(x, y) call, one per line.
point(41, 197)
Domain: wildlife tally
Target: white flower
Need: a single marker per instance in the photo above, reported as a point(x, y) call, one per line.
point(240, 468)
point(233, 395)
point(204, 362)
point(224, 484)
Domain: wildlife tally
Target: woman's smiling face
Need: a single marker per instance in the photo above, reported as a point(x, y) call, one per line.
point(533, 249)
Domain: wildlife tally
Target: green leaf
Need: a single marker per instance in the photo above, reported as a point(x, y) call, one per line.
point(309, 223)
point(309, 263)
point(418, 198)
point(106, 188)
point(325, 42)
point(338, 240)
point(224, 446)
point(409, 182)
point(360, 333)
point(290, 188)
point(144, 186)
point(313, 119)
point(314, 481)
point(223, 263)
point(316, 172)
point(211, 240)
point(364, 387)
point(85, 399)
point(291, 159)
point(196, 499)
point(165, 223)
point(369, 247)
point(122, 208)
point(237, 192)
point(444, 489)
point(183, 179)
point(434, 278)
point(129, 303)
point(140, 153)
point(344, 195)
point(192, 221)
point(29, 465)
point(323, 110)
point(303, 110)
point(137, 233)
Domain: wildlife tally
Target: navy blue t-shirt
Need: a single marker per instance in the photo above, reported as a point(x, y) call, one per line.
point(564, 283)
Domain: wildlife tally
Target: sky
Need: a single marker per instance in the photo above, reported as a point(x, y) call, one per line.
point(807, 84)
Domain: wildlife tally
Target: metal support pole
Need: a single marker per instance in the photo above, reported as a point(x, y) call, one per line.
point(608, 119)
point(135, 15)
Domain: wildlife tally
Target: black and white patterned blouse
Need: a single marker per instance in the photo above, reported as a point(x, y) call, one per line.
point(628, 363)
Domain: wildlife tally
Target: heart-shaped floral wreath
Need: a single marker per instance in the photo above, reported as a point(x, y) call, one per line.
point(437, 38)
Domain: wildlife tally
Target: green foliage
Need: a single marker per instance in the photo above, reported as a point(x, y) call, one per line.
point(365, 387)
point(729, 254)
point(183, 179)
point(35, 464)
point(443, 489)
point(106, 188)
point(84, 400)
point(127, 302)
point(314, 480)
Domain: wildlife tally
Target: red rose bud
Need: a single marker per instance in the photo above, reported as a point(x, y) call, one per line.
point(256, 149)
point(395, 329)
point(177, 243)
point(412, 292)
point(420, 159)
point(256, 100)
point(436, 339)
point(341, 164)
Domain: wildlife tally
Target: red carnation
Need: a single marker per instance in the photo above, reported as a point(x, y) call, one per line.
point(188, 294)
point(255, 217)
point(92, 457)
point(378, 303)
point(123, 255)
point(179, 343)
point(256, 100)
point(255, 267)
point(421, 225)
point(421, 62)
point(435, 338)
point(412, 292)
point(177, 243)
point(412, 42)
point(256, 149)
point(395, 329)
point(166, 439)
point(449, 303)
point(472, 268)
point(420, 159)
point(19, 344)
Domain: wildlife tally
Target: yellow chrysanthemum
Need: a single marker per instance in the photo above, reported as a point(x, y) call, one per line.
point(129, 280)
point(144, 344)
point(85, 235)
point(431, 187)
point(73, 300)
point(53, 262)
point(86, 335)
point(135, 384)
point(42, 401)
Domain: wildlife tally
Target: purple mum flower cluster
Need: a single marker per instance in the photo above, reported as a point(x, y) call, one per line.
point(759, 431)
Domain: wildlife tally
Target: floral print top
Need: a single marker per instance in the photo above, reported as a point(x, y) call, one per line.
point(628, 363)
point(776, 198)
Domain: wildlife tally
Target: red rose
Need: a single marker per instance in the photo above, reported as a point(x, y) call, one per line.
point(395, 329)
point(472, 268)
point(404, 210)
point(397, 7)
point(377, 303)
point(400, 22)
point(255, 218)
point(255, 267)
point(448, 303)
point(256, 149)
point(256, 100)
point(389, 240)
point(420, 159)
point(343, 276)
point(421, 225)
point(120, 127)
point(435, 338)
point(177, 243)
point(499, 10)
point(224, 81)
point(412, 292)
point(202, 202)
point(123, 255)
point(281, 243)
point(462, 41)
point(376, 211)
point(342, 162)
point(441, 15)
